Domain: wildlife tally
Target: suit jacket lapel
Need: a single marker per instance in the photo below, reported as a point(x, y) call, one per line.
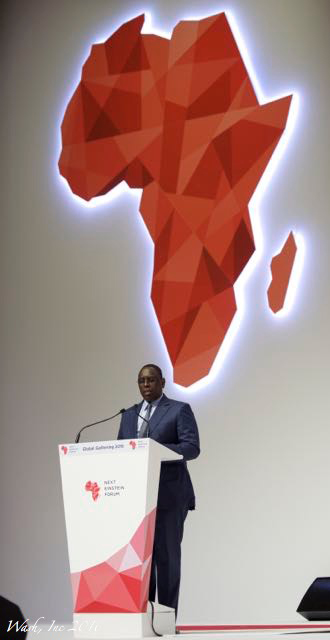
point(159, 413)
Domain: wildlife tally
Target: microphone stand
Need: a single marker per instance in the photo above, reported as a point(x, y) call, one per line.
point(98, 422)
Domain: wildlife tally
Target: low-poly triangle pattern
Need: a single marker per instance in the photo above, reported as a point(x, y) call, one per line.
point(281, 268)
point(178, 118)
point(120, 584)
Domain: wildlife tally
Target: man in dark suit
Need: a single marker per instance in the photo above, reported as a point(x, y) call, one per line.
point(172, 424)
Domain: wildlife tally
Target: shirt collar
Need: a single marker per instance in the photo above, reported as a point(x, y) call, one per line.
point(154, 403)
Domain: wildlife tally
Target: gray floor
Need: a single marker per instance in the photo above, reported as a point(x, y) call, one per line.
point(43, 633)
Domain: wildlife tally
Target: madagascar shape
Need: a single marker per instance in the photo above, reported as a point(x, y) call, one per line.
point(281, 268)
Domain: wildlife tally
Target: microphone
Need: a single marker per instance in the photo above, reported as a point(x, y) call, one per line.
point(98, 422)
point(144, 420)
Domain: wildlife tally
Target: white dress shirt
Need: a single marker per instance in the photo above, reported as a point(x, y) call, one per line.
point(143, 411)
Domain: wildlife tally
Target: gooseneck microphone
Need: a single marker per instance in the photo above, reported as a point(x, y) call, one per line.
point(98, 422)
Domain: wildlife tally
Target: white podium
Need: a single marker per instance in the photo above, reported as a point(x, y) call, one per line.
point(110, 494)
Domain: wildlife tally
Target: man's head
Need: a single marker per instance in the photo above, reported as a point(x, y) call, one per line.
point(151, 382)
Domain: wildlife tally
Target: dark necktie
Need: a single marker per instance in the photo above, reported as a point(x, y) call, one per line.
point(145, 424)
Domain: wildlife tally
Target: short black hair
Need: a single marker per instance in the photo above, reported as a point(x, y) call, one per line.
point(153, 366)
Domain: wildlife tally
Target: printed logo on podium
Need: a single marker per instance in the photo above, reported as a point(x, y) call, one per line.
point(94, 488)
point(64, 449)
point(133, 444)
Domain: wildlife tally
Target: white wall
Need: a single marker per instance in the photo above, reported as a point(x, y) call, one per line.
point(74, 328)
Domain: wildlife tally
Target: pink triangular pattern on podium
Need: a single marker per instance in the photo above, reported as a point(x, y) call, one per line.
point(143, 539)
point(130, 559)
point(117, 559)
point(119, 584)
point(146, 566)
point(75, 579)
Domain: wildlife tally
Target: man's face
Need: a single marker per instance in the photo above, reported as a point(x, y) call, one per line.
point(150, 384)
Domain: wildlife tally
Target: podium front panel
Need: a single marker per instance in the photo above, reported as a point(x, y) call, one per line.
point(110, 494)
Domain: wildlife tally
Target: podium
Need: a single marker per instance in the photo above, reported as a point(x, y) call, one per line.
point(110, 494)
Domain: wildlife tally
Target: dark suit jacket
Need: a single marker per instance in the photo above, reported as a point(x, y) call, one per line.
point(172, 424)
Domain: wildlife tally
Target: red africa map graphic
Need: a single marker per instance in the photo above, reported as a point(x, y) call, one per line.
point(94, 488)
point(180, 119)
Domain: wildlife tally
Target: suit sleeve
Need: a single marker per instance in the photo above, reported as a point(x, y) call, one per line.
point(188, 437)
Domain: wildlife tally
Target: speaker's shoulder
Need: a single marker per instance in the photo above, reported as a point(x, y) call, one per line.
point(177, 404)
